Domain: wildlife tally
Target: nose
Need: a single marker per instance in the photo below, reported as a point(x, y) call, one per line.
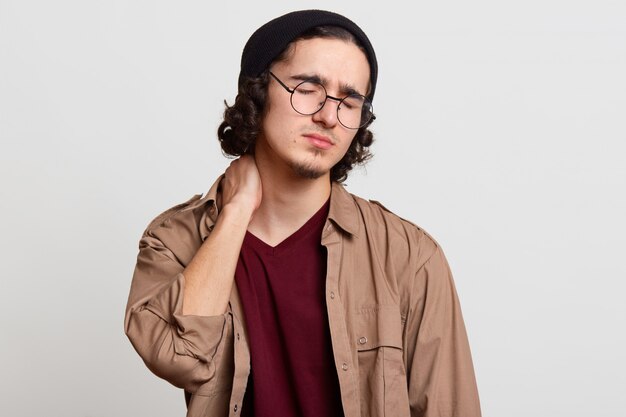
point(328, 113)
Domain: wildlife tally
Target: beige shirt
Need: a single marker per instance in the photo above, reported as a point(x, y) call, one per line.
point(399, 341)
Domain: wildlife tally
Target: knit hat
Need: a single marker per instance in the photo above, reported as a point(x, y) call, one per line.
point(271, 39)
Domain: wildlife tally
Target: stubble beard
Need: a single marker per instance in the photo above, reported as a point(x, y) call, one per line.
point(308, 170)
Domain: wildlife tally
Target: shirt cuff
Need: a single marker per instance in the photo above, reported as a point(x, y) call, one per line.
point(198, 336)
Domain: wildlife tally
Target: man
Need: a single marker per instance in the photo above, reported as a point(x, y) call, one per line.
point(279, 293)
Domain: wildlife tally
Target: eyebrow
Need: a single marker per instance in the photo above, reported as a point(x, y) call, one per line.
point(345, 88)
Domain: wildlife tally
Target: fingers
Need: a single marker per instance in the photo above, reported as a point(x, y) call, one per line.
point(242, 184)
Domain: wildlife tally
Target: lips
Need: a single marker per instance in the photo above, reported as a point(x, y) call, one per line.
point(319, 141)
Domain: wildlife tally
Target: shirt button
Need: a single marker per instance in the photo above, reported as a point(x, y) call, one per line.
point(332, 295)
point(363, 340)
point(235, 408)
point(344, 366)
point(237, 336)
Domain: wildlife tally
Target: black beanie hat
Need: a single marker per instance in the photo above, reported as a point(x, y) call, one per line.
point(271, 39)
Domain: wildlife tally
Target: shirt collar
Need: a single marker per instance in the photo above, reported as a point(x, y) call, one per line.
point(342, 211)
point(209, 213)
point(211, 195)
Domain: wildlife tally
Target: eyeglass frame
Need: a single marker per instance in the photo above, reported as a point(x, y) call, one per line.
point(339, 100)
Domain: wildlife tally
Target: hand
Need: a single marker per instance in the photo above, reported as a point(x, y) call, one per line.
point(241, 186)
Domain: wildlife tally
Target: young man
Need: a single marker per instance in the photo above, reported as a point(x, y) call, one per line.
point(279, 293)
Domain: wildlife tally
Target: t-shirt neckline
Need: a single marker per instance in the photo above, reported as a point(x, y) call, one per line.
point(316, 222)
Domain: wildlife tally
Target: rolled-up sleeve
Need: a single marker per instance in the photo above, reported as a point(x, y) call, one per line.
point(439, 364)
point(177, 348)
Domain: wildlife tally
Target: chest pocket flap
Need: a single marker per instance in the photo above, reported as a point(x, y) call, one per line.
point(378, 326)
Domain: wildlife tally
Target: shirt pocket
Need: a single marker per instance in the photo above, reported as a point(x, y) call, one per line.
point(382, 374)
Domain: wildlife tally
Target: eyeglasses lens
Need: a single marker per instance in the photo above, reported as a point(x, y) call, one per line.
point(353, 112)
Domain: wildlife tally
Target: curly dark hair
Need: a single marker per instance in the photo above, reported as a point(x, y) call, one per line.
point(243, 120)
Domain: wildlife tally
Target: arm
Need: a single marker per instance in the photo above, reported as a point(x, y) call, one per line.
point(175, 317)
point(440, 373)
point(211, 272)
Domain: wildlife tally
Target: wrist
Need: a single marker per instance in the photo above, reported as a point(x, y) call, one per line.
point(236, 213)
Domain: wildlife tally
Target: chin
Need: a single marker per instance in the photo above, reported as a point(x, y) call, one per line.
point(308, 171)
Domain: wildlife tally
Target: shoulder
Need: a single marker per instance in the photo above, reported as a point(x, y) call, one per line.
point(401, 235)
point(166, 216)
point(193, 210)
point(178, 231)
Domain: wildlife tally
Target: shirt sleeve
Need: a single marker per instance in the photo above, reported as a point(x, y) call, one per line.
point(440, 372)
point(178, 348)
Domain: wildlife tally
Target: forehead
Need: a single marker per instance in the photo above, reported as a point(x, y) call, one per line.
point(337, 61)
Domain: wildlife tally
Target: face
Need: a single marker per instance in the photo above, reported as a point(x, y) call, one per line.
point(310, 145)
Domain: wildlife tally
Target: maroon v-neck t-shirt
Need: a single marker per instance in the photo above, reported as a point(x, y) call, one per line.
point(282, 292)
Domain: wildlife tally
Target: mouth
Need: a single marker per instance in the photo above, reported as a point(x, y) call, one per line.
point(319, 141)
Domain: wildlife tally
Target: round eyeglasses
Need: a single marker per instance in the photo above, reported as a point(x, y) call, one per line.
point(353, 111)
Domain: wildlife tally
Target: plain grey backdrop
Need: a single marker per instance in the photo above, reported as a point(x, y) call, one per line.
point(500, 131)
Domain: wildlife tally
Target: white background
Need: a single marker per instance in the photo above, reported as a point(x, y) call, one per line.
point(501, 129)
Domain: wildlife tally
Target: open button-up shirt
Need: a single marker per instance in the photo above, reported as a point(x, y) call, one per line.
point(399, 342)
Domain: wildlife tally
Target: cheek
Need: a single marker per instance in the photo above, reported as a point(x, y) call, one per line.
point(348, 140)
point(280, 117)
point(279, 103)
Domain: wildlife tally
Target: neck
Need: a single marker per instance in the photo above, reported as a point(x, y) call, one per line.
point(288, 201)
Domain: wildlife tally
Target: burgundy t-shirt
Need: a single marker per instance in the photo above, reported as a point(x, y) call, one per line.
point(282, 291)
